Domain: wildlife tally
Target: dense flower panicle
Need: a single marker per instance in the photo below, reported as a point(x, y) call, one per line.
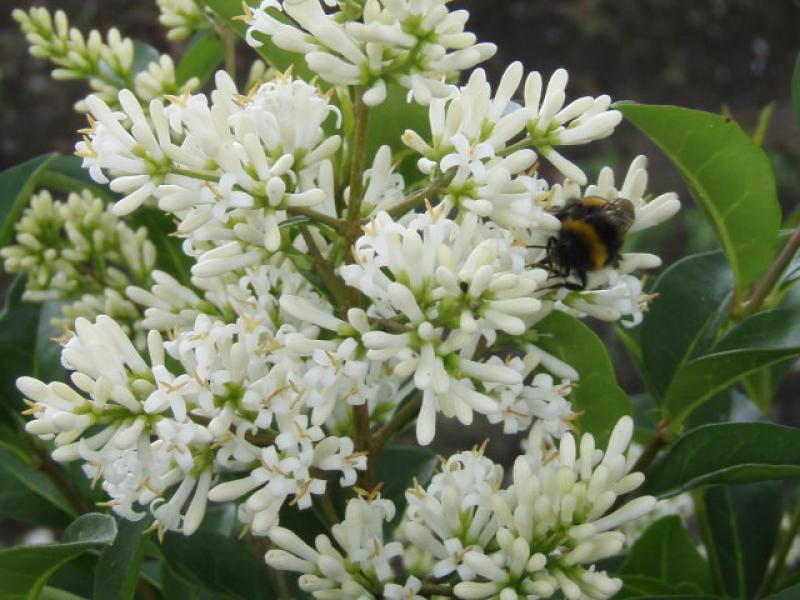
point(79, 252)
point(229, 170)
point(415, 43)
point(107, 65)
point(537, 536)
point(324, 310)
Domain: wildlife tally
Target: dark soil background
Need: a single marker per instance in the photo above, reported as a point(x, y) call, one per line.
point(715, 55)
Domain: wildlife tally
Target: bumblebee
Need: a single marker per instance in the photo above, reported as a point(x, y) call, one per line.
point(591, 236)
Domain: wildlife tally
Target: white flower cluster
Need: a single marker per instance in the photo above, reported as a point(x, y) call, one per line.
point(415, 43)
point(325, 311)
point(78, 251)
point(182, 18)
point(229, 171)
point(535, 537)
point(233, 403)
point(107, 65)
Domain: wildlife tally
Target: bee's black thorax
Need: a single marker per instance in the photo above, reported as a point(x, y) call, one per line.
point(590, 238)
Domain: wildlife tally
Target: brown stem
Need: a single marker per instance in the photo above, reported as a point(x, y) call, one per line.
point(400, 419)
point(764, 287)
point(651, 451)
point(430, 192)
point(49, 467)
point(357, 160)
point(363, 443)
point(437, 589)
point(302, 211)
point(261, 439)
point(337, 288)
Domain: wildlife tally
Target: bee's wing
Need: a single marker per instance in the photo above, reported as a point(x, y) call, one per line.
point(622, 212)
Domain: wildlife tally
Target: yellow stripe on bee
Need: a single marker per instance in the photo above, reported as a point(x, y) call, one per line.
point(594, 201)
point(598, 251)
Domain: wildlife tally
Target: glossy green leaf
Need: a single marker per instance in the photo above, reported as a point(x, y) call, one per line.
point(790, 593)
point(17, 183)
point(200, 59)
point(170, 256)
point(65, 174)
point(47, 355)
point(28, 494)
point(643, 586)
point(796, 90)
point(667, 554)
point(761, 340)
point(219, 564)
point(117, 572)
point(389, 120)
point(229, 10)
point(51, 593)
point(729, 175)
point(597, 393)
point(25, 570)
point(692, 296)
point(397, 467)
point(143, 55)
point(742, 524)
point(725, 453)
point(18, 347)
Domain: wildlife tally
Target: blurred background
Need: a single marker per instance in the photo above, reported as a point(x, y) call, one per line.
point(730, 56)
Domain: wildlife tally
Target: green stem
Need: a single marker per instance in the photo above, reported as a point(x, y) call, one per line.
point(708, 541)
point(228, 37)
point(399, 421)
point(417, 198)
point(335, 286)
point(764, 287)
point(782, 549)
point(196, 175)
point(314, 215)
point(357, 160)
point(363, 443)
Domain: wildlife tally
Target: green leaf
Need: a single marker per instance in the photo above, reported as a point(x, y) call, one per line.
point(218, 564)
point(16, 186)
point(725, 453)
point(692, 295)
point(143, 55)
point(117, 572)
point(597, 393)
point(758, 341)
point(666, 553)
point(796, 90)
point(50, 593)
point(729, 175)
point(397, 467)
point(28, 494)
point(170, 256)
point(65, 173)
point(229, 10)
point(790, 593)
point(24, 570)
point(387, 123)
point(200, 59)
point(47, 355)
point(17, 346)
point(743, 522)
